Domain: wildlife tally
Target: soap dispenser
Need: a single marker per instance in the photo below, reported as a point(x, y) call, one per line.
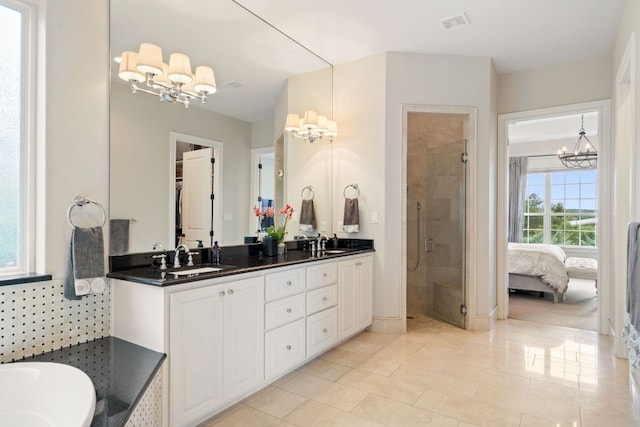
point(216, 253)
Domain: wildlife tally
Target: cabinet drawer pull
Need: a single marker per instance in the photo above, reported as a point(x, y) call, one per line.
point(288, 310)
point(324, 299)
point(222, 293)
point(325, 330)
point(288, 347)
point(288, 282)
point(230, 291)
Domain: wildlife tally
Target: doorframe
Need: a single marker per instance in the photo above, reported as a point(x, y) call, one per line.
point(605, 183)
point(625, 209)
point(174, 138)
point(256, 153)
point(472, 321)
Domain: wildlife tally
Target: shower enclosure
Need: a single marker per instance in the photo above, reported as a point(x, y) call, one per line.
point(436, 194)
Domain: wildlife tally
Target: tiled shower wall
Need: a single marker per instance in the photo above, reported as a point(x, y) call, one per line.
point(35, 318)
point(435, 179)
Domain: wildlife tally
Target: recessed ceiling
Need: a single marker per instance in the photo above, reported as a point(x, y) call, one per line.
point(517, 35)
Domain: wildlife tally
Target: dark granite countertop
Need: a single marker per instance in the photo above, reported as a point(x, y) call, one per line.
point(120, 371)
point(235, 260)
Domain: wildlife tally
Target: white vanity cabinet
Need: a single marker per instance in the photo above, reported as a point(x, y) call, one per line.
point(227, 337)
point(355, 295)
point(284, 340)
point(216, 347)
point(322, 316)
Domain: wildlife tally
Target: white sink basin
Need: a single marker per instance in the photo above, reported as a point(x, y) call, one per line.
point(196, 271)
point(334, 251)
point(42, 394)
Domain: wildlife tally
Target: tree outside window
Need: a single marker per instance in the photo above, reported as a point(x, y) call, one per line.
point(571, 216)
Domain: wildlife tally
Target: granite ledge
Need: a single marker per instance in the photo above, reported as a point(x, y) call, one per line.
point(237, 259)
point(120, 371)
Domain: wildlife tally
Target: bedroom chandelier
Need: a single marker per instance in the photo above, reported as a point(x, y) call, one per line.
point(579, 159)
point(311, 127)
point(174, 82)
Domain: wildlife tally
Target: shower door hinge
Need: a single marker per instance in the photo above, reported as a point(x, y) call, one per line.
point(464, 157)
point(463, 310)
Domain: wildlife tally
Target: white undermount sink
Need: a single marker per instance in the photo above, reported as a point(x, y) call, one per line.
point(43, 394)
point(196, 271)
point(334, 251)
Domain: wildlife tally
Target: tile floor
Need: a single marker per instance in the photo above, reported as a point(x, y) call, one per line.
point(521, 374)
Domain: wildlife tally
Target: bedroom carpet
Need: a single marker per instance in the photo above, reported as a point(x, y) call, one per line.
point(578, 311)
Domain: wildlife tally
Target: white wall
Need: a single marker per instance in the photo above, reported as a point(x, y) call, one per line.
point(305, 163)
point(369, 95)
point(626, 160)
point(262, 134)
point(443, 80)
point(73, 133)
point(359, 157)
point(560, 84)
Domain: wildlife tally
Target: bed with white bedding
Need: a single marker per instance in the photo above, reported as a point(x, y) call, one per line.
point(538, 267)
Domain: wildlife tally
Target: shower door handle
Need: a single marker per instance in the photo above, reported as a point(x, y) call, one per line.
point(428, 245)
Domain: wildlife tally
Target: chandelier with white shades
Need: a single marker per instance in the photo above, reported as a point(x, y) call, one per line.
point(311, 127)
point(173, 82)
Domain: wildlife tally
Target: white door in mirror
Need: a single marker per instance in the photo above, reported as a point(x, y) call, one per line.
point(42, 394)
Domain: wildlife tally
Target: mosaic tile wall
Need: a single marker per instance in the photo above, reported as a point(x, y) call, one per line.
point(35, 318)
point(148, 411)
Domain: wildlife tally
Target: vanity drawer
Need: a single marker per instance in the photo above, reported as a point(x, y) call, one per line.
point(284, 284)
point(322, 275)
point(322, 331)
point(283, 311)
point(320, 299)
point(284, 348)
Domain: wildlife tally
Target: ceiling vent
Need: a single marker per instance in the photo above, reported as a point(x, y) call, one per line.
point(234, 84)
point(456, 21)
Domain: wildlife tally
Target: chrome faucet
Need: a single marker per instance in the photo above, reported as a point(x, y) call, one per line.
point(322, 240)
point(162, 256)
point(176, 258)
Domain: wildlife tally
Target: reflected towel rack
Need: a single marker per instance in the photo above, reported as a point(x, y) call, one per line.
point(354, 186)
point(82, 201)
point(307, 188)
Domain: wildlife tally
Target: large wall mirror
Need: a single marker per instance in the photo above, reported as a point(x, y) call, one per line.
point(261, 75)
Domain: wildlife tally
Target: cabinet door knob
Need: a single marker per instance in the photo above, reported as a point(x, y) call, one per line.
point(288, 310)
point(288, 347)
point(324, 299)
point(222, 293)
point(230, 291)
point(324, 275)
point(324, 330)
point(288, 282)
point(358, 263)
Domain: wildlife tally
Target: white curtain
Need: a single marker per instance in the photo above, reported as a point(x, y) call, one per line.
point(517, 187)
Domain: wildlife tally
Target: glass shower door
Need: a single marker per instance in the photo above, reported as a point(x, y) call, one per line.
point(444, 243)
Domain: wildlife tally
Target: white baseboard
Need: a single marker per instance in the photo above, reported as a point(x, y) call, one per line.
point(484, 322)
point(388, 325)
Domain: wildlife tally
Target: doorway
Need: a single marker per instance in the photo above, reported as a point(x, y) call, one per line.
point(566, 210)
point(435, 244)
point(203, 202)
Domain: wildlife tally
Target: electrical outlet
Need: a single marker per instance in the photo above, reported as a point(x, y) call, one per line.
point(227, 217)
point(374, 217)
point(340, 226)
point(323, 226)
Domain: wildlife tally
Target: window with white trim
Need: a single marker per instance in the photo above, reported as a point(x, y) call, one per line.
point(16, 144)
point(561, 208)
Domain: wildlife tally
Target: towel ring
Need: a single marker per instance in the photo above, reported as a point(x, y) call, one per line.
point(354, 186)
point(81, 201)
point(308, 188)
